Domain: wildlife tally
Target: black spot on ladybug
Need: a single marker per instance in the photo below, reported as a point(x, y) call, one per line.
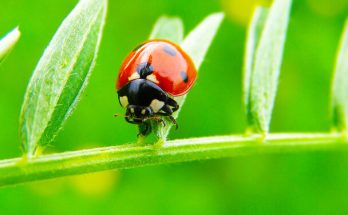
point(138, 47)
point(169, 50)
point(184, 76)
point(144, 69)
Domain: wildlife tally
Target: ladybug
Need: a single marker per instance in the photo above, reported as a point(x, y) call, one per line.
point(150, 77)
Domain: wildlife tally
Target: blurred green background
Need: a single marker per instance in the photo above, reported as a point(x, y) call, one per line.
point(296, 183)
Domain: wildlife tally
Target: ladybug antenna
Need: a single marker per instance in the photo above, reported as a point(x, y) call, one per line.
point(124, 115)
point(118, 114)
point(159, 119)
point(156, 118)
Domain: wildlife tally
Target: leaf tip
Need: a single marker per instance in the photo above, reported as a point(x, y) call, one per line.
point(217, 18)
point(15, 34)
point(168, 28)
point(8, 42)
point(219, 15)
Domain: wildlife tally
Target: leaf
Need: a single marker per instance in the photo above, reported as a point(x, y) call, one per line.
point(61, 75)
point(168, 28)
point(253, 38)
point(267, 64)
point(8, 43)
point(196, 45)
point(340, 85)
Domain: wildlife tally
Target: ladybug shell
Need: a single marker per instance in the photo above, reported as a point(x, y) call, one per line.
point(164, 63)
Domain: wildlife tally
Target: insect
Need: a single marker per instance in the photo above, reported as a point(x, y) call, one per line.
point(150, 77)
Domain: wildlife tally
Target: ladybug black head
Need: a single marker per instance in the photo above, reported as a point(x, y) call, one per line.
point(144, 99)
point(137, 114)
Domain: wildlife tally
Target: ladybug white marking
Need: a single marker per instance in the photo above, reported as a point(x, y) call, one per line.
point(143, 111)
point(124, 101)
point(152, 78)
point(134, 76)
point(156, 105)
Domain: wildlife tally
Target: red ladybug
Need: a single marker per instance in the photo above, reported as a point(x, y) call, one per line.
point(150, 77)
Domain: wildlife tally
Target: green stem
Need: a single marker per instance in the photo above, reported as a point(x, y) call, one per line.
point(19, 170)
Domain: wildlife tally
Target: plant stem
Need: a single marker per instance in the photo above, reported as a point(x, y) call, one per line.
point(19, 170)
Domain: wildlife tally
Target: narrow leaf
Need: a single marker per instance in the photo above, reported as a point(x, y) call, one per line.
point(196, 45)
point(168, 28)
point(340, 85)
point(61, 74)
point(268, 59)
point(8, 43)
point(253, 38)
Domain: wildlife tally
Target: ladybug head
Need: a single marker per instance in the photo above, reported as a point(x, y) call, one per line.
point(142, 98)
point(138, 114)
point(145, 100)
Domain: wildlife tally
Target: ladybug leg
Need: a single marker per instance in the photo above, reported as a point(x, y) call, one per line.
point(168, 112)
point(174, 121)
point(144, 129)
point(171, 119)
point(171, 102)
point(159, 119)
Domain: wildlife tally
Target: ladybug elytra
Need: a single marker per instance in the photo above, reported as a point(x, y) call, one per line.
point(150, 77)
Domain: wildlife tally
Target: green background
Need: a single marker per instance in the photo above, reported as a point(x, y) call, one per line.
point(294, 183)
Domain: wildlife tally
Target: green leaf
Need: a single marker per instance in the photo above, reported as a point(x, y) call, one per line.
point(196, 45)
point(267, 64)
point(168, 28)
point(253, 38)
point(340, 85)
point(8, 43)
point(61, 75)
